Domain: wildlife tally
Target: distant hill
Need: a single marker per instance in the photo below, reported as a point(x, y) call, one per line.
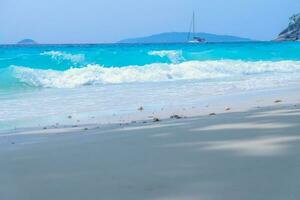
point(292, 32)
point(180, 37)
point(27, 42)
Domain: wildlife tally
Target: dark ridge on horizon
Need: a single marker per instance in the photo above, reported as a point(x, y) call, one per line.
point(27, 42)
point(181, 37)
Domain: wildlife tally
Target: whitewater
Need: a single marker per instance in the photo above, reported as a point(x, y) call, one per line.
point(45, 84)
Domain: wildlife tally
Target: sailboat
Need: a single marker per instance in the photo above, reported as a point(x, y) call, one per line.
point(192, 33)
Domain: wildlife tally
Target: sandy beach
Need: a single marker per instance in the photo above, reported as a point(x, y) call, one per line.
point(108, 100)
point(251, 154)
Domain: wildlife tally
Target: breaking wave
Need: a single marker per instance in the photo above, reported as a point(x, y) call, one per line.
point(157, 72)
point(62, 56)
point(175, 56)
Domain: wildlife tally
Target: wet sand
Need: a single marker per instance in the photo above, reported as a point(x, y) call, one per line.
point(248, 155)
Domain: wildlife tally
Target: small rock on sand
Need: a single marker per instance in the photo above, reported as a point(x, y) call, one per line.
point(175, 117)
point(155, 119)
point(227, 109)
point(141, 108)
point(69, 117)
point(277, 101)
point(86, 129)
point(212, 114)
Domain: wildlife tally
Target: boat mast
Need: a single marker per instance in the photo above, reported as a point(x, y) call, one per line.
point(193, 24)
point(192, 30)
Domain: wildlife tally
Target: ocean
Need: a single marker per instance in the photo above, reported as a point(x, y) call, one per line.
point(51, 85)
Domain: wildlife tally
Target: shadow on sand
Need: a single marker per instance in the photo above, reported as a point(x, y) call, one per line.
point(252, 155)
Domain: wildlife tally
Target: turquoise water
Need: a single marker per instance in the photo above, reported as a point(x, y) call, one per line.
point(21, 66)
point(45, 82)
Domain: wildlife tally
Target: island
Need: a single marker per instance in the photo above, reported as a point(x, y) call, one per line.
point(27, 42)
point(292, 32)
point(182, 37)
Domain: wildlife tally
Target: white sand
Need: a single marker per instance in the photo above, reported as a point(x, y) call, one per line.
point(243, 154)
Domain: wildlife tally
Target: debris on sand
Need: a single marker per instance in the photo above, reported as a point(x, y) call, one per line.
point(227, 109)
point(155, 119)
point(86, 129)
point(69, 117)
point(277, 101)
point(141, 108)
point(175, 117)
point(212, 114)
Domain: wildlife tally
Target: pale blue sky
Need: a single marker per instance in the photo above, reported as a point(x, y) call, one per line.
point(97, 21)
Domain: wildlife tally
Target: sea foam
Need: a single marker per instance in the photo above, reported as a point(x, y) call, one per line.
point(61, 56)
point(94, 74)
point(175, 56)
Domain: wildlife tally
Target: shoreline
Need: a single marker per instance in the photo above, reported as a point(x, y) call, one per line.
point(207, 105)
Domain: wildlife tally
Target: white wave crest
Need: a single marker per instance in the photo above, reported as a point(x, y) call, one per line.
point(199, 70)
point(60, 56)
point(175, 56)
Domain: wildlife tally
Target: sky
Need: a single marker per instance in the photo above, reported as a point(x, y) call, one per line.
point(99, 21)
